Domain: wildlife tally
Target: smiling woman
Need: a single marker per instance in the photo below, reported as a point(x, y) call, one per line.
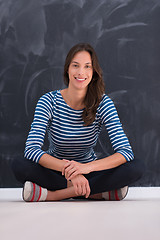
point(80, 74)
point(95, 88)
point(73, 118)
point(81, 69)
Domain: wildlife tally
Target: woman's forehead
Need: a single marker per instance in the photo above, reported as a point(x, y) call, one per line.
point(82, 56)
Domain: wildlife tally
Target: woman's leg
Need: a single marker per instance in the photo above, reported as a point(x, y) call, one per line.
point(39, 179)
point(100, 181)
point(26, 170)
point(61, 194)
point(119, 177)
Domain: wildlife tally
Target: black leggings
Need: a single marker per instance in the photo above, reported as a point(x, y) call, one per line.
point(99, 181)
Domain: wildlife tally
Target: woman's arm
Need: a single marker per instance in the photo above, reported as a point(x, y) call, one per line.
point(50, 162)
point(121, 146)
point(112, 161)
point(73, 168)
point(42, 116)
point(80, 183)
point(33, 150)
point(109, 117)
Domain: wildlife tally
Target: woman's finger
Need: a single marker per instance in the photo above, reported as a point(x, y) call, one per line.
point(74, 174)
point(88, 190)
point(84, 190)
point(64, 167)
point(68, 171)
point(76, 189)
point(79, 189)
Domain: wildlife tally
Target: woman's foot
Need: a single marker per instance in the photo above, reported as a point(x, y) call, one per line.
point(115, 195)
point(97, 196)
point(33, 193)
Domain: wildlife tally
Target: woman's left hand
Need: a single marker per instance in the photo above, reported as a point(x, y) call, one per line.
point(73, 168)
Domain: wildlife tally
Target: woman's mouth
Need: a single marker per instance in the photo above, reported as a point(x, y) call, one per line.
point(80, 79)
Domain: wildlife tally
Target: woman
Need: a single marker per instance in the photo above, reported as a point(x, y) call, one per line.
point(73, 118)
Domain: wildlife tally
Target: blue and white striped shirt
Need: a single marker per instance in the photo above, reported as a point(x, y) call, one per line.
point(68, 137)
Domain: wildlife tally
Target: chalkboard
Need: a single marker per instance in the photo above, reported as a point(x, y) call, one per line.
point(35, 37)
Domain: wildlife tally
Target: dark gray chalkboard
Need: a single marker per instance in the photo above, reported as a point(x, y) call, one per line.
point(34, 39)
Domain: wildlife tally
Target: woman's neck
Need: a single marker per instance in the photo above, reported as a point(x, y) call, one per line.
point(75, 99)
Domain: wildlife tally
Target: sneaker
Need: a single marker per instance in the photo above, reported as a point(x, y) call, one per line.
point(33, 193)
point(115, 195)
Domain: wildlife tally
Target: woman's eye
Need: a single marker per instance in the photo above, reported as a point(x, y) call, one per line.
point(75, 65)
point(88, 66)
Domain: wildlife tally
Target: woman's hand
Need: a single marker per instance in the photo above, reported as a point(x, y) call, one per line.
point(73, 168)
point(81, 186)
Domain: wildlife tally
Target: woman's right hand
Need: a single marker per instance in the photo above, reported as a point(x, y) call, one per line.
point(81, 186)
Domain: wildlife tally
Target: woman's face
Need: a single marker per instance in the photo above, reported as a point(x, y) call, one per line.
point(80, 70)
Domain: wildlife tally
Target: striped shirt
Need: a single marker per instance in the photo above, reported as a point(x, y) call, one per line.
point(67, 135)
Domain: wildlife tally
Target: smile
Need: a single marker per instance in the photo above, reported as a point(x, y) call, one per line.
point(80, 79)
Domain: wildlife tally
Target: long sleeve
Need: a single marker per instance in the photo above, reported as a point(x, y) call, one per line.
point(110, 118)
point(42, 116)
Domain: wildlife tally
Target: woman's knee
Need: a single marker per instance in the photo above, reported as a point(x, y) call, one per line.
point(20, 168)
point(137, 168)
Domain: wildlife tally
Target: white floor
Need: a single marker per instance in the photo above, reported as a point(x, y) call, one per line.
point(135, 218)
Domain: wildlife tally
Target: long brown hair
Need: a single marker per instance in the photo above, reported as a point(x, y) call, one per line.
point(95, 88)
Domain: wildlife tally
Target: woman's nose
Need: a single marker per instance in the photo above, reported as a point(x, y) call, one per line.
point(81, 71)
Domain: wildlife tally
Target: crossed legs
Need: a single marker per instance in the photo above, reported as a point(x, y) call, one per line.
point(58, 187)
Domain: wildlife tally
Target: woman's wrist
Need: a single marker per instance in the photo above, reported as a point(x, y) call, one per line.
point(90, 166)
point(51, 162)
